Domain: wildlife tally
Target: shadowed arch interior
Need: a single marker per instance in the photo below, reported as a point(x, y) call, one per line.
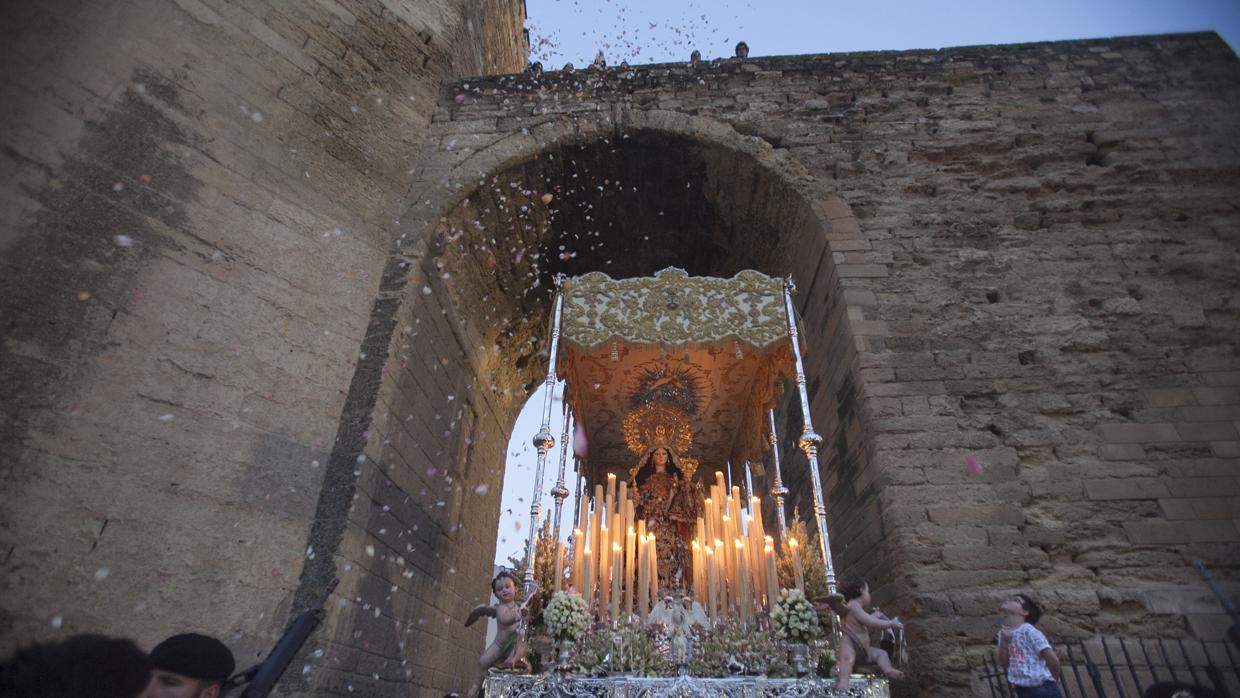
point(457, 342)
point(629, 204)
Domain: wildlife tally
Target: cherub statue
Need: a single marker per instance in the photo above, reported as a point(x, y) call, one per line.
point(509, 648)
point(855, 648)
point(678, 614)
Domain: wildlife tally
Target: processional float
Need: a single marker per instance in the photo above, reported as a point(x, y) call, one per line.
point(695, 365)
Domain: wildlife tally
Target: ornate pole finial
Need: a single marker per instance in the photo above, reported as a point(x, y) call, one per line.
point(778, 491)
point(543, 441)
point(810, 441)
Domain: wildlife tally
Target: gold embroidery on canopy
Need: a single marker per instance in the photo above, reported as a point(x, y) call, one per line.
point(673, 309)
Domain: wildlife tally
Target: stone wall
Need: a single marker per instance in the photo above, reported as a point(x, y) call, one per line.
point(199, 199)
point(243, 355)
point(1033, 254)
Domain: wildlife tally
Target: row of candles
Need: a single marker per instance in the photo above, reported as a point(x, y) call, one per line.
point(624, 576)
point(733, 560)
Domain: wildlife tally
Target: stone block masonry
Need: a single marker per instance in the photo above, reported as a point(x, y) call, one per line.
point(198, 204)
point(1033, 256)
point(272, 294)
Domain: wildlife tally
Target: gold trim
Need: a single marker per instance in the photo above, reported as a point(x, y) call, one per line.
point(673, 309)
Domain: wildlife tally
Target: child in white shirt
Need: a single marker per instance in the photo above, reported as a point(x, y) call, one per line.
point(1032, 665)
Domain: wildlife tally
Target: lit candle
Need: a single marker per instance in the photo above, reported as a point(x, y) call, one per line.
point(559, 565)
point(596, 521)
point(721, 574)
point(617, 571)
point(587, 585)
point(695, 551)
point(611, 489)
point(772, 579)
point(604, 576)
point(654, 568)
point(579, 544)
point(604, 562)
point(630, 573)
point(712, 596)
point(753, 549)
point(745, 602)
point(584, 521)
point(643, 578)
point(795, 551)
point(719, 480)
point(622, 508)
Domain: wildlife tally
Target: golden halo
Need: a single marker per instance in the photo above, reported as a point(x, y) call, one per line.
point(657, 425)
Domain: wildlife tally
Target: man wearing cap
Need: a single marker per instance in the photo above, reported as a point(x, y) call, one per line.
point(189, 666)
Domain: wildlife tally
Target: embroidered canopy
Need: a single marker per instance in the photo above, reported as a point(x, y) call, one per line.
point(692, 363)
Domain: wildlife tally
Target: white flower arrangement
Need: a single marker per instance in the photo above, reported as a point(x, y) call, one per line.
point(566, 616)
point(794, 617)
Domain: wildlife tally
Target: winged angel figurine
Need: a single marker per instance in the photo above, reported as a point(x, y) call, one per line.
point(678, 614)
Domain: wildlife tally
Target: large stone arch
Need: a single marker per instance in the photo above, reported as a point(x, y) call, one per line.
point(455, 346)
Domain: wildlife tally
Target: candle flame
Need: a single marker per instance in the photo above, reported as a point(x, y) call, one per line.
point(792, 542)
point(615, 547)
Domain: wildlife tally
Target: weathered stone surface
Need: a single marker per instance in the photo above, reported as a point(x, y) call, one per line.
point(195, 216)
point(1058, 331)
point(992, 261)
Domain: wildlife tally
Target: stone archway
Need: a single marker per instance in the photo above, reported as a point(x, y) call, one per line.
point(457, 334)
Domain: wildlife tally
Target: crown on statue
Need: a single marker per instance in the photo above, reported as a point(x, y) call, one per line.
point(658, 424)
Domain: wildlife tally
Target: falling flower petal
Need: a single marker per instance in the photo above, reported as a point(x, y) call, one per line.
point(581, 446)
point(972, 468)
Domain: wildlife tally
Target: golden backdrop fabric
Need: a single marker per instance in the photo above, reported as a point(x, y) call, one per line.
point(717, 350)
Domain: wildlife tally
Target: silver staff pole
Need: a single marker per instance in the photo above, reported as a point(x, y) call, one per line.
point(778, 491)
point(543, 440)
point(560, 491)
point(810, 440)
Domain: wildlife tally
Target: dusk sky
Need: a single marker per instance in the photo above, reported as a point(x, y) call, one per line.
point(650, 31)
point(646, 31)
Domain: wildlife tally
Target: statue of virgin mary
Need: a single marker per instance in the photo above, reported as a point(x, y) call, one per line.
point(669, 502)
